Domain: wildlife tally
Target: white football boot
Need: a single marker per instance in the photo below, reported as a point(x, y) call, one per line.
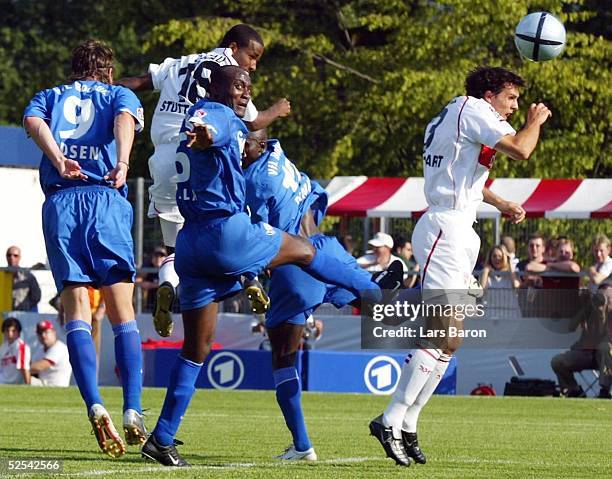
point(291, 454)
point(134, 428)
point(107, 436)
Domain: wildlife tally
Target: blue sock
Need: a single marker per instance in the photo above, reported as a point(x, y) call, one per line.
point(83, 360)
point(289, 398)
point(180, 391)
point(329, 269)
point(128, 356)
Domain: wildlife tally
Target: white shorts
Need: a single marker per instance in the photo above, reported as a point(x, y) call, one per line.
point(162, 194)
point(446, 247)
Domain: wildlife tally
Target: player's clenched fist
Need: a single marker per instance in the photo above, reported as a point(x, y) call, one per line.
point(200, 138)
point(282, 107)
point(538, 113)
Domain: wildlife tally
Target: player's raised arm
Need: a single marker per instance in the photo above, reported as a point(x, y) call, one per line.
point(280, 109)
point(521, 145)
point(139, 83)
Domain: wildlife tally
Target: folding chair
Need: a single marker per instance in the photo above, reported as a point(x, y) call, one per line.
point(589, 384)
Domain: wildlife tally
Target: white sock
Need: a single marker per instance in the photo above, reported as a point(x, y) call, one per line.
point(412, 413)
point(416, 370)
point(167, 273)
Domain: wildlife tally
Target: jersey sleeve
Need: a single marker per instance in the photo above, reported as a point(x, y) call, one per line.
point(23, 356)
point(126, 101)
point(606, 267)
point(481, 124)
point(215, 119)
point(38, 107)
point(251, 112)
point(53, 355)
point(159, 72)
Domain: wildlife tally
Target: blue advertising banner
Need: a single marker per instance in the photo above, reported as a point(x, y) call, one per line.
point(322, 371)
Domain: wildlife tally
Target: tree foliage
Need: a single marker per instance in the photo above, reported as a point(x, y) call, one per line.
point(364, 76)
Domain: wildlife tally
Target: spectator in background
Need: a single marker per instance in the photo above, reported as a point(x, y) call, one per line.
point(498, 272)
point(535, 257)
point(508, 244)
point(14, 354)
point(97, 307)
point(563, 263)
point(150, 281)
point(593, 350)
point(349, 244)
point(603, 263)
point(550, 254)
point(26, 291)
point(381, 257)
point(51, 366)
point(403, 249)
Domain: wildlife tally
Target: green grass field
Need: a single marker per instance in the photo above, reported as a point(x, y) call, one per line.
point(235, 434)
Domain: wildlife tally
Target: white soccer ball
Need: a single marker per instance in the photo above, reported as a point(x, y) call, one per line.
point(539, 37)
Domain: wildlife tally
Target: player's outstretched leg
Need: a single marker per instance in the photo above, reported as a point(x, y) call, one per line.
point(327, 268)
point(285, 339)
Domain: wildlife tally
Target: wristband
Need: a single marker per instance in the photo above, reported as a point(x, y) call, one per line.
point(125, 163)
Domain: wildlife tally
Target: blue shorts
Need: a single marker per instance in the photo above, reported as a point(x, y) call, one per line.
point(294, 294)
point(88, 235)
point(211, 257)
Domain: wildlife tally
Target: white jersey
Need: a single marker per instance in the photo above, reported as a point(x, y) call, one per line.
point(604, 268)
point(13, 358)
point(181, 83)
point(60, 371)
point(459, 152)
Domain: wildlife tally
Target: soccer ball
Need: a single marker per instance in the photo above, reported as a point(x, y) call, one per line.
point(539, 37)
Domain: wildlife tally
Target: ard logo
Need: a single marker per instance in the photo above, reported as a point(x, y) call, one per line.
point(225, 371)
point(381, 375)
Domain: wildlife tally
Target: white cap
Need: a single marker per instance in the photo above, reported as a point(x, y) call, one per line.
point(381, 239)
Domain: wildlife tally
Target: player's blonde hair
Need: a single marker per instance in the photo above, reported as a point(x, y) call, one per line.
point(92, 60)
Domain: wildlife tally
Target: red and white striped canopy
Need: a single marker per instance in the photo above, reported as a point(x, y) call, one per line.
point(404, 197)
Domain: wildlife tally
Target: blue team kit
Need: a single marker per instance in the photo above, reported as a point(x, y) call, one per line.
point(83, 220)
point(281, 195)
point(218, 242)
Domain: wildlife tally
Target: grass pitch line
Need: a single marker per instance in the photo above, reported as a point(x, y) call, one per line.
point(211, 467)
point(159, 468)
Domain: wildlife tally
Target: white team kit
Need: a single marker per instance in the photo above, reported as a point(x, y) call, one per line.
point(181, 83)
point(13, 358)
point(458, 154)
point(60, 370)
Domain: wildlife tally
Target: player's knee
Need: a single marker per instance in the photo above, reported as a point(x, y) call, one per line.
point(303, 252)
point(283, 359)
point(308, 252)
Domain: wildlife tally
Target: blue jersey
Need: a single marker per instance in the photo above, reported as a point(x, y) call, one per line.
point(81, 118)
point(278, 194)
point(211, 184)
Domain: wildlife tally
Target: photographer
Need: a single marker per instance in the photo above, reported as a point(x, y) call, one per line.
point(593, 350)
